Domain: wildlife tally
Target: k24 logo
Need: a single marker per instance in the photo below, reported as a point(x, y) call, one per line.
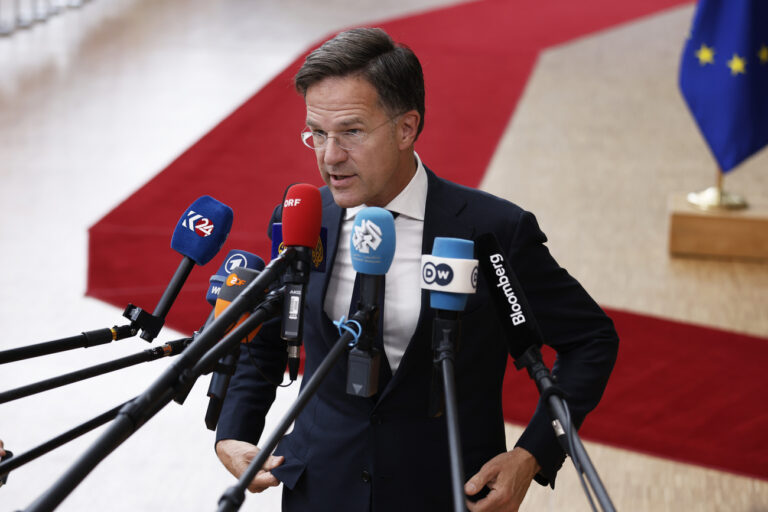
point(198, 224)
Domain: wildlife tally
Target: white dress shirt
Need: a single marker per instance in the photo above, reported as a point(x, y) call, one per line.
point(402, 298)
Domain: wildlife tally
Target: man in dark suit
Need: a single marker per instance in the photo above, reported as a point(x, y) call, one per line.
point(365, 109)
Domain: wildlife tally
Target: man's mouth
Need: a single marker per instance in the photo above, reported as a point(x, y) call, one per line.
point(340, 179)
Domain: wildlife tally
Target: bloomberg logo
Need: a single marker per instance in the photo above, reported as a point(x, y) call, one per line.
point(502, 281)
point(441, 274)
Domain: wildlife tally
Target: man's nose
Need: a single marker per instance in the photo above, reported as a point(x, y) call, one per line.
point(333, 152)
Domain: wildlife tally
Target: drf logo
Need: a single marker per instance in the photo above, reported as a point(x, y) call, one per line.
point(198, 224)
point(366, 236)
point(442, 273)
point(292, 202)
point(234, 261)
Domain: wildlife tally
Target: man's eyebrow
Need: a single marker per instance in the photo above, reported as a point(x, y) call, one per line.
point(343, 123)
point(351, 121)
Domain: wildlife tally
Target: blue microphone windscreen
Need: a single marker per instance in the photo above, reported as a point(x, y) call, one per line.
point(455, 248)
point(202, 229)
point(235, 258)
point(373, 241)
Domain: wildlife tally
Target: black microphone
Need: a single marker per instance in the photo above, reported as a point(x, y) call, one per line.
point(524, 340)
point(515, 315)
point(199, 234)
point(302, 214)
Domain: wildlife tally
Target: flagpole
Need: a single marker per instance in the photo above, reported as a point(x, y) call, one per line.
point(716, 198)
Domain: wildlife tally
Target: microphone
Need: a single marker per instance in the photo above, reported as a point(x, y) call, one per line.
point(372, 246)
point(235, 258)
point(199, 234)
point(318, 253)
point(236, 261)
point(524, 342)
point(235, 283)
point(450, 274)
point(515, 315)
point(302, 214)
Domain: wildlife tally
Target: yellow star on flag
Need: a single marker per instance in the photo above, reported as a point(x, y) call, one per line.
point(705, 54)
point(763, 54)
point(737, 65)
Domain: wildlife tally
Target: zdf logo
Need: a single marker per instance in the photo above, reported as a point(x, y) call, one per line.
point(233, 280)
point(442, 274)
point(198, 224)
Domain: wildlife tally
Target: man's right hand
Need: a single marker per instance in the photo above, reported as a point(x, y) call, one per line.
point(2, 452)
point(237, 456)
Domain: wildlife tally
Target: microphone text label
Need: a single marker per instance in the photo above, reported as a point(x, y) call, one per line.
point(502, 282)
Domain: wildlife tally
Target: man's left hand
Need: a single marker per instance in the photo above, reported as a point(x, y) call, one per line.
point(508, 476)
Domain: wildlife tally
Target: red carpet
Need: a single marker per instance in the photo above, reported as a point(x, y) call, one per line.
point(677, 391)
point(476, 59)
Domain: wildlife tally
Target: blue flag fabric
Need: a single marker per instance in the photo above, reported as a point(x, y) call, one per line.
point(724, 77)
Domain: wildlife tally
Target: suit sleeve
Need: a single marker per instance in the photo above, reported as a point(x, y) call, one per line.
point(574, 325)
point(251, 392)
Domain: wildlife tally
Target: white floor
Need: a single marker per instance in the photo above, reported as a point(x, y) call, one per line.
point(90, 109)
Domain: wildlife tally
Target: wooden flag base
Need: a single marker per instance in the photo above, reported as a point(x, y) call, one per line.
point(718, 232)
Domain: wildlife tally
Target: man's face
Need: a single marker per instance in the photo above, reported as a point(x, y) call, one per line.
point(373, 172)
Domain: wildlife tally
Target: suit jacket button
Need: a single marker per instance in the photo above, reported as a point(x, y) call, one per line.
point(366, 476)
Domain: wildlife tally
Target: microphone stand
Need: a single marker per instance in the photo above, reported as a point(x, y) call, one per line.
point(149, 323)
point(8, 465)
point(269, 307)
point(83, 340)
point(233, 497)
point(171, 348)
point(566, 434)
point(445, 336)
point(179, 375)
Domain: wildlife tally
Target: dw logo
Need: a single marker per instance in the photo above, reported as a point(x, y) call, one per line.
point(198, 224)
point(442, 273)
point(366, 236)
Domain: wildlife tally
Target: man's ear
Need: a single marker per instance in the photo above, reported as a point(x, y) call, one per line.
point(408, 127)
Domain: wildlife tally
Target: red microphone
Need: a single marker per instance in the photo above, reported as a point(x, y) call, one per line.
point(302, 216)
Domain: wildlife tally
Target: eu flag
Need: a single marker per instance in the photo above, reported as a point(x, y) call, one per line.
point(724, 77)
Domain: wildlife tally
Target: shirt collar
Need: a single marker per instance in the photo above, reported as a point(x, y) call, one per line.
point(411, 201)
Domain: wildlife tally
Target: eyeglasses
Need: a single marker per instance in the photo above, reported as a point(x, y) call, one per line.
point(347, 140)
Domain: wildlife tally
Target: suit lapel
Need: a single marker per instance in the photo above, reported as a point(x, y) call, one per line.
point(442, 218)
point(332, 215)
